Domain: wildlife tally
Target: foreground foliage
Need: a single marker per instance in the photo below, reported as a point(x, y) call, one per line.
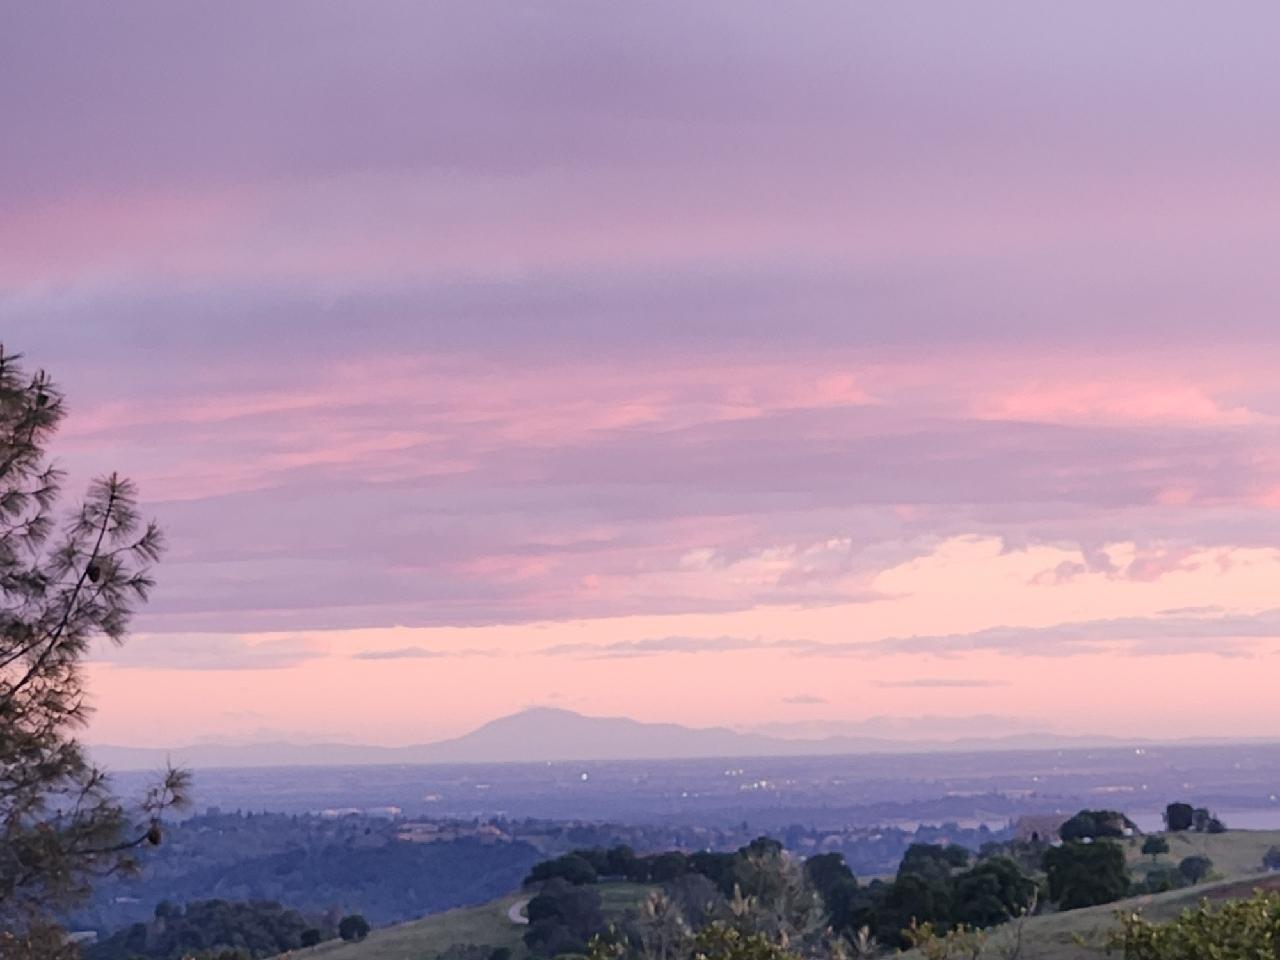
point(62, 585)
point(1233, 930)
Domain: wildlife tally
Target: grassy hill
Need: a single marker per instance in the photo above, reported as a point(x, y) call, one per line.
point(1237, 857)
point(1236, 853)
point(489, 925)
point(1081, 934)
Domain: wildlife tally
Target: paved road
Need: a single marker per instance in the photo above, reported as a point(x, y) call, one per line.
point(516, 913)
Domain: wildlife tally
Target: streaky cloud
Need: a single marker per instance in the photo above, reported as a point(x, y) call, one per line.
point(941, 683)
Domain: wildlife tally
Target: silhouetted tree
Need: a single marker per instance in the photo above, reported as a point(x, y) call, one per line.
point(353, 927)
point(1178, 817)
point(1085, 874)
point(1154, 845)
point(562, 919)
point(619, 861)
point(1094, 825)
point(61, 586)
point(832, 878)
point(992, 892)
point(1195, 868)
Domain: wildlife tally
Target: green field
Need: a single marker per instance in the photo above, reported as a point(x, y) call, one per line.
point(487, 925)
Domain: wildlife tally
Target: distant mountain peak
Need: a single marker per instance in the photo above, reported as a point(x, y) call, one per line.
point(542, 733)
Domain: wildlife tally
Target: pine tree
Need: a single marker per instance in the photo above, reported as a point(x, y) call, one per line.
point(62, 586)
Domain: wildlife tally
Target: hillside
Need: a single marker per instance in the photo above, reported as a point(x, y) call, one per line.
point(1236, 853)
point(1073, 935)
point(489, 925)
point(1081, 934)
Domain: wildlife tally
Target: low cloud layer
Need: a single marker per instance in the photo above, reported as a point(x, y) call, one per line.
point(655, 646)
point(941, 683)
point(418, 653)
point(175, 651)
point(1224, 636)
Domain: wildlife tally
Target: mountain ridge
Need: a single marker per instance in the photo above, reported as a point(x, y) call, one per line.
point(552, 734)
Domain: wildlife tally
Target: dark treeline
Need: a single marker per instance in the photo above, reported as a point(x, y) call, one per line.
point(759, 889)
point(212, 928)
point(352, 864)
point(943, 884)
point(225, 930)
point(362, 863)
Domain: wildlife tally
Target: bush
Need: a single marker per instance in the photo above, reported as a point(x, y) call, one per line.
point(1162, 879)
point(1195, 868)
point(353, 927)
point(1236, 930)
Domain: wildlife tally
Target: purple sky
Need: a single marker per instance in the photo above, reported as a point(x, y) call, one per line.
point(476, 354)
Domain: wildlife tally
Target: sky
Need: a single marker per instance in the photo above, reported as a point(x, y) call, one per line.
point(813, 366)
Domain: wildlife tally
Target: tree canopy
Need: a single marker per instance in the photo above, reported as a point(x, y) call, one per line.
point(1154, 845)
point(1086, 874)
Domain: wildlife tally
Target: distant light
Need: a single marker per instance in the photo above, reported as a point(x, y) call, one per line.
point(585, 778)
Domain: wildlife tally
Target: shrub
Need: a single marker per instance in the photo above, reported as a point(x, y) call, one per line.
point(1235, 930)
point(353, 927)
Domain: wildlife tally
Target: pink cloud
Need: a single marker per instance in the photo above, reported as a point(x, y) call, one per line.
point(664, 311)
point(1117, 401)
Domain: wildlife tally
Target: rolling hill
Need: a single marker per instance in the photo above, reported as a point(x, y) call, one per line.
point(1072, 935)
point(489, 924)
